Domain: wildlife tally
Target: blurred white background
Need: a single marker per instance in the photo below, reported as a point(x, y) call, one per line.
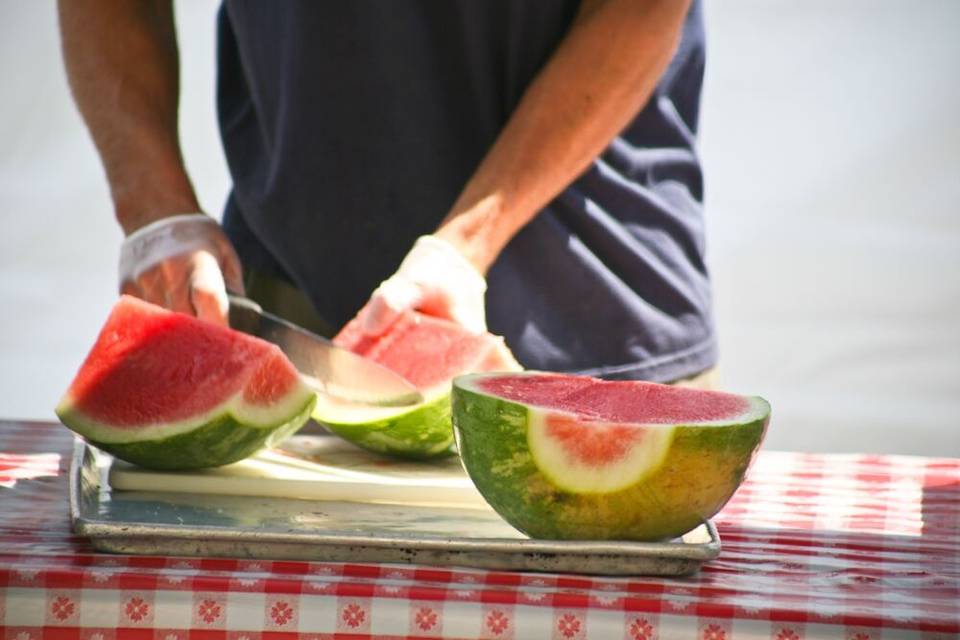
point(831, 140)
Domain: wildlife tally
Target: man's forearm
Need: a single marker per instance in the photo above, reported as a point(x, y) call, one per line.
point(600, 76)
point(122, 63)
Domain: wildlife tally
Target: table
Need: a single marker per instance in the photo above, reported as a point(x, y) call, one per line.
point(853, 547)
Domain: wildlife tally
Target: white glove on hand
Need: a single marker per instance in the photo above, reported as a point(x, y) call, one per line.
point(434, 278)
point(182, 263)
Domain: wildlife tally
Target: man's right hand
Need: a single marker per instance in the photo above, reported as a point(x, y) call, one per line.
point(123, 65)
point(184, 263)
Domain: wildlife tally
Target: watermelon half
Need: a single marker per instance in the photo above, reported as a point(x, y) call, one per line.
point(571, 457)
point(165, 390)
point(428, 352)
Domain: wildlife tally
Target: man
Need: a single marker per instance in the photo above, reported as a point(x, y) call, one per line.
point(537, 153)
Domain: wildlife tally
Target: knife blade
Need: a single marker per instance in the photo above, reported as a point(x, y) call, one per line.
point(335, 371)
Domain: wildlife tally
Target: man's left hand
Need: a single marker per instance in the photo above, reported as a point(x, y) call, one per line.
point(434, 278)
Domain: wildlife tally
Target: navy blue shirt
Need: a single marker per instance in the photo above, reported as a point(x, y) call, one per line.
point(351, 127)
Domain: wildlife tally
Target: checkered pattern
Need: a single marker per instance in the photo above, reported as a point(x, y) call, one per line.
point(850, 547)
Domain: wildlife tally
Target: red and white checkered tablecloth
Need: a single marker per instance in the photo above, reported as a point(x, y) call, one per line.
point(852, 547)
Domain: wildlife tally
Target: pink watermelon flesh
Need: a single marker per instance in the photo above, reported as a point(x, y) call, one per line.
point(606, 402)
point(196, 364)
point(428, 351)
point(591, 444)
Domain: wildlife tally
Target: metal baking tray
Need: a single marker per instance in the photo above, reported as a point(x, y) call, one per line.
point(184, 524)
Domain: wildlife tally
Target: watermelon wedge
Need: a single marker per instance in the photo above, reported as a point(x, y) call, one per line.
point(571, 457)
point(165, 390)
point(429, 352)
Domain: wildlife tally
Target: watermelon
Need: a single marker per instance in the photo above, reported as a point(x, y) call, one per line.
point(165, 390)
point(572, 457)
point(428, 352)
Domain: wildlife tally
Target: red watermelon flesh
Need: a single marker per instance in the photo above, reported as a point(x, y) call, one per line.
point(617, 401)
point(428, 351)
point(143, 347)
point(154, 376)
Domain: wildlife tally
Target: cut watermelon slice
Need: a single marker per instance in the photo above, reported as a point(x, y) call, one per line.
point(561, 456)
point(168, 391)
point(428, 352)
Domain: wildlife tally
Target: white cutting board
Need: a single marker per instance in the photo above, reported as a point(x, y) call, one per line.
point(318, 468)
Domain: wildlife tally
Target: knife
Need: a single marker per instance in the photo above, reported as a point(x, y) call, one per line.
point(324, 366)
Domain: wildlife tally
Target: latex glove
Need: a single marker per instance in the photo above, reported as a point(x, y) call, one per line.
point(434, 278)
point(184, 263)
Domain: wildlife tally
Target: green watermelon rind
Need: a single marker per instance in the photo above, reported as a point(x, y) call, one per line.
point(701, 471)
point(421, 432)
point(222, 436)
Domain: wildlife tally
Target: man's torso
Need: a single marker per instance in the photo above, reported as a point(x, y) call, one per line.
point(350, 129)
